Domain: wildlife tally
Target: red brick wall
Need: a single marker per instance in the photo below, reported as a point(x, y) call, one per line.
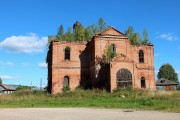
point(62, 68)
point(82, 67)
point(131, 60)
point(145, 69)
point(137, 69)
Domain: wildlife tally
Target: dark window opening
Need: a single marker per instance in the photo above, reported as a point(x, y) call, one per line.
point(141, 56)
point(112, 51)
point(113, 48)
point(67, 54)
point(143, 82)
point(66, 82)
point(124, 78)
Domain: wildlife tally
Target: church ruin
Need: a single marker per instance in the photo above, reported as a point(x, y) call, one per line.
point(73, 64)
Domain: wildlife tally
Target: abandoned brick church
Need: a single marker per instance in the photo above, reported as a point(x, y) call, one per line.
point(76, 64)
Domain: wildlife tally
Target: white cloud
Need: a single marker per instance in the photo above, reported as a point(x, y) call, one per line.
point(156, 54)
point(24, 44)
point(6, 64)
point(167, 36)
point(9, 63)
point(6, 77)
point(42, 65)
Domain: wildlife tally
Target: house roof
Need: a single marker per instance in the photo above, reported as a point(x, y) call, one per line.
point(164, 82)
point(2, 88)
point(6, 87)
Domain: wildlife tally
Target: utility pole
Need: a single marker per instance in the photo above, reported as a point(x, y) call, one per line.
point(40, 83)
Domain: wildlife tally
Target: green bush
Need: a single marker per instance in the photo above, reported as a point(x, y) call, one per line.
point(28, 92)
point(23, 92)
point(39, 92)
point(23, 88)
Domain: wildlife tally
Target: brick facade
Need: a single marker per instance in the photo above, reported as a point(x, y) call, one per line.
point(83, 69)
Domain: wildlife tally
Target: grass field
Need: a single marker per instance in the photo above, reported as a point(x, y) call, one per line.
point(124, 98)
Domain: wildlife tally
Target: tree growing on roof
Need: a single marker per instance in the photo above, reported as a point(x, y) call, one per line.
point(109, 54)
point(146, 39)
point(81, 33)
point(60, 33)
point(88, 33)
point(68, 36)
point(134, 38)
point(101, 25)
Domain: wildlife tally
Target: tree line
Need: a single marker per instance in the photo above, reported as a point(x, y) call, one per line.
point(135, 37)
point(80, 33)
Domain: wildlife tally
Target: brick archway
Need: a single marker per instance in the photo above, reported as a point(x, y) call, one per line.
point(123, 78)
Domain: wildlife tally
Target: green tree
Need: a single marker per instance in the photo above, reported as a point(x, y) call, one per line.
point(101, 25)
point(68, 36)
point(60, 33)
point(50, 38)
point(81, 33)
point(146, 39)
point(0, 81)
point(167, 71)
point(94, 29)
point(108, 55)
point(138, 38)
point(61, 30)
point(135, 38)
point(78, 31)
point(23, 88)
point(88, 33)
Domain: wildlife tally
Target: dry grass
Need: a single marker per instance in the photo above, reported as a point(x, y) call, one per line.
point(124, 98)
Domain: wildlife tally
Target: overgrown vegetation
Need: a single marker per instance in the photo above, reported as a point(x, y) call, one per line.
point(80, 33)
point(23, 88)
point(122, 98)
point(107, 56)
point(135, 38)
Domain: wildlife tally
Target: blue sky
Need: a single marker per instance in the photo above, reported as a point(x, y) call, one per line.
point(25, 25)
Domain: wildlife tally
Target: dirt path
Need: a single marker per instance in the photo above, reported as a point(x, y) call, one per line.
point(83, 114)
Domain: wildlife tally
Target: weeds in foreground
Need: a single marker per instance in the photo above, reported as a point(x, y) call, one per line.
point(122, 98)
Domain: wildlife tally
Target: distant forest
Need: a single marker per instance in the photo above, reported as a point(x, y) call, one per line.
point(80, 33)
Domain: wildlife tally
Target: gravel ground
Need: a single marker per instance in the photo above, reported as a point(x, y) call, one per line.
point(83, 114)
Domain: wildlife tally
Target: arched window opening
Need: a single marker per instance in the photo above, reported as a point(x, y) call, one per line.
point(66, 82)
point(124, 78)
point(112, 51)
point(141, 56)
point(143, 82)
point(113, 48)
point(67, 54)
